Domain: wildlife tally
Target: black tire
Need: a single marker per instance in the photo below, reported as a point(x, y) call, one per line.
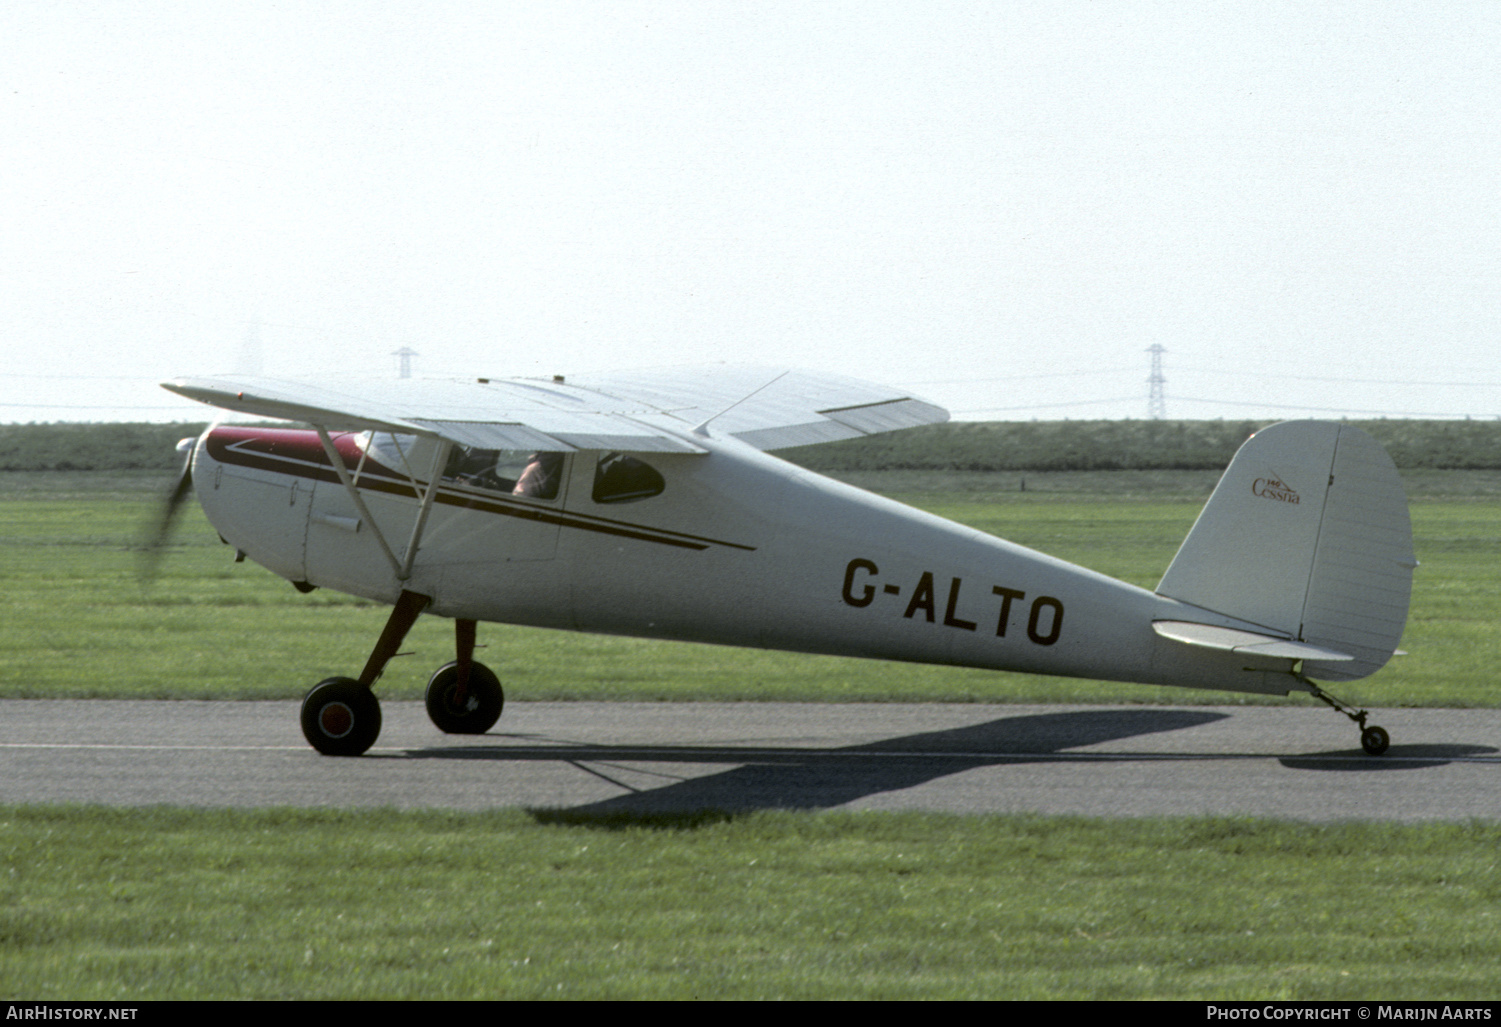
point(1374, 740)
point(340, 717)
point(481, 706)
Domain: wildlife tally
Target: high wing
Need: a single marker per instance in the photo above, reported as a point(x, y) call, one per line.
point(638, 411)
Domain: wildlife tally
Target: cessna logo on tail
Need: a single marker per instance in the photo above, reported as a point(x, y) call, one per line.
point(1273, 488)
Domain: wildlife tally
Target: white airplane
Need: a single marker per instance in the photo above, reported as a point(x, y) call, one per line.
point(645, 504)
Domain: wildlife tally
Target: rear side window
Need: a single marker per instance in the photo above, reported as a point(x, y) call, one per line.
point(624, 479)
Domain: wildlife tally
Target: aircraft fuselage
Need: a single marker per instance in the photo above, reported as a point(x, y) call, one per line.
point(735, 547)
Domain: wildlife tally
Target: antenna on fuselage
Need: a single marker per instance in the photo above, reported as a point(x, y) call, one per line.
point(703, 429)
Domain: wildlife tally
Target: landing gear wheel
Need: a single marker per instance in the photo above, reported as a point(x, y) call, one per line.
point(340, 717)
point(473, 714)
point(1374, 740)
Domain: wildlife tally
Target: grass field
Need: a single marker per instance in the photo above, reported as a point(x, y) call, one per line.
point(161, 903)
point(158, 904)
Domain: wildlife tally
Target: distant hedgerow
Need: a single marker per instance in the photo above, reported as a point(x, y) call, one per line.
point(956, 446)
point(92, 447)
point(1129, 445)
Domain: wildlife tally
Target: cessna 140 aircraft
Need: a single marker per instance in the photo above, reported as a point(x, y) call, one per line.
point(645, 504)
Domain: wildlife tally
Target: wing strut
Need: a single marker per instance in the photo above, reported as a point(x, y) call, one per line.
point(434, 475)
point(354, 494)
point(402, 568)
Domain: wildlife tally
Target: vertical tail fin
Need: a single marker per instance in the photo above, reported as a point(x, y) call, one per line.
point(1308, 535)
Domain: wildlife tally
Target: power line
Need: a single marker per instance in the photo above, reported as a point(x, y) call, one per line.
point(1025, 377)
point(1406, 382)
point(1050, 406)
point(1382, 412)
point(80, 377)
point(82, 406)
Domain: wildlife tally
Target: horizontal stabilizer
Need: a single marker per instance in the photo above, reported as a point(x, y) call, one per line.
point(1210, 636)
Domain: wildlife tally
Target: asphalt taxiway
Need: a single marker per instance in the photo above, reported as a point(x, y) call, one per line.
point(1300, 763)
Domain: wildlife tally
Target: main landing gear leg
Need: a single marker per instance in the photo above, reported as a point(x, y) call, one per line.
point(341, 716)
point(464, 697)
point(1373, 740)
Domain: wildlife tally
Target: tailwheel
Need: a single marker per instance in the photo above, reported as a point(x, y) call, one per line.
point(469, 710)
point(1374, 740)
point(340, 717)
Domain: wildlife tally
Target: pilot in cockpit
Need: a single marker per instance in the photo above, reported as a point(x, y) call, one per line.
point(538, 475)
point(541, 477)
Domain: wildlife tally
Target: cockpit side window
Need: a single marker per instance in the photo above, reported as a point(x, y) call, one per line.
point(619, 478)
point(519, 472)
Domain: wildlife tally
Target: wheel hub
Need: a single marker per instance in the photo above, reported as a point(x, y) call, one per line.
point(336, 719)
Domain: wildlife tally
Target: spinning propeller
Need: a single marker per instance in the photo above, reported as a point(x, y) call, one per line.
point(171, 507)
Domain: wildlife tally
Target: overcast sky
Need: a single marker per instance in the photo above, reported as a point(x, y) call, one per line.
point(1000, 205)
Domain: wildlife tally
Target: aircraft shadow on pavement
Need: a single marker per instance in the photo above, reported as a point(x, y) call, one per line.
point(811, 778)
point(1398, 757)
